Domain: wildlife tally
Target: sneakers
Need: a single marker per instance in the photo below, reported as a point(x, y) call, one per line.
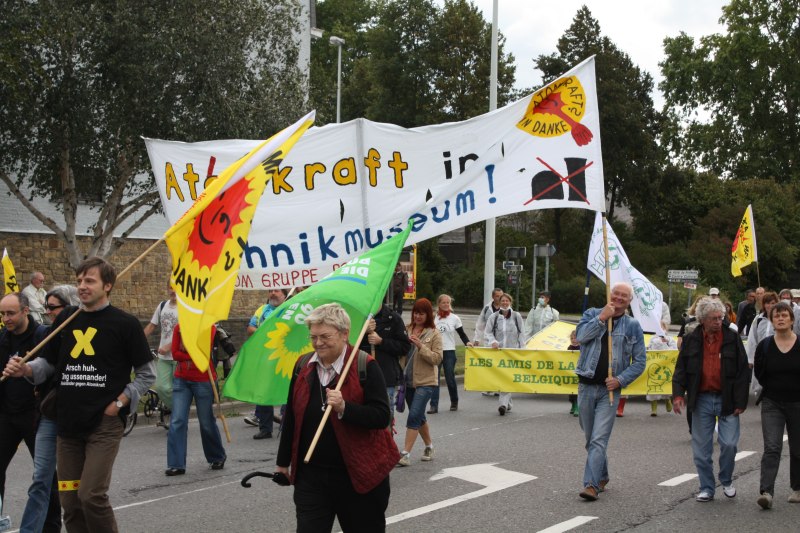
point(405, 460)
point(794, 497)
point(174, 472)
point(262, 435)
point(454, 407)
point(251, 420)
point(589, 493)
point(427, 455)
point(502, 410)
point(765, 500)
point(433, 410)
point(218, 465)
point(729, 491)
point(704, 496)
point(490, 394)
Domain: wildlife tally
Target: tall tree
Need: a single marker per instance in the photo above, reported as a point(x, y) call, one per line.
point(737, 94)
point(81, 83)
point(628, 121)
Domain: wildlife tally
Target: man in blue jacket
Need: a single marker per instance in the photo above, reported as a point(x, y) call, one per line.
point(597, 413)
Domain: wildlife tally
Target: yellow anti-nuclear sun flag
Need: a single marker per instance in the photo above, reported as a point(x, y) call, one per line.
point(744, 250)
point(205, 241)
point(9, 274)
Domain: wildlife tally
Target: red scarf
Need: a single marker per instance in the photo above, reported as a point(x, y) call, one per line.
point(443, 314)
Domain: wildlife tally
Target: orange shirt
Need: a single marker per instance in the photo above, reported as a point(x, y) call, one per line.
point(711, 379)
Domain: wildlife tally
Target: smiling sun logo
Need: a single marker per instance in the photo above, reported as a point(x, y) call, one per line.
point(214, 226)
point(287, 345)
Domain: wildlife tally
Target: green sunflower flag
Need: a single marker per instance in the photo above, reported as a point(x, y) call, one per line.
point(266, 361)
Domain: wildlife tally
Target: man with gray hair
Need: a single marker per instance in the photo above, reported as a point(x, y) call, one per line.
point(713, 374)
point(36, 297)
point(595, 382)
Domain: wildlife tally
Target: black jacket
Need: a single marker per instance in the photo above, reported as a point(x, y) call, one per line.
point(735, 378)
point(389, 326)
point(17, 394)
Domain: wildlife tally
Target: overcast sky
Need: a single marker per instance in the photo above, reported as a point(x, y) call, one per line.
point(637, 27)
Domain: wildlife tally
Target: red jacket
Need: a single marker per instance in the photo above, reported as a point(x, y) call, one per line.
point(369, 454)
point(186, 369)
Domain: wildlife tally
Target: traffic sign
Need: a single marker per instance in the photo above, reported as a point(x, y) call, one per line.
point(691, 286)
point(683, 275)
point(509, 265)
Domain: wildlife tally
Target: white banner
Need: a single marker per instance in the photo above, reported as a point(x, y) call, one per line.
point(647, 298)
point(347, 187)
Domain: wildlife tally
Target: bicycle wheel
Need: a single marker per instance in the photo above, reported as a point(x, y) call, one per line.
point(150, 401)
point(130, 421)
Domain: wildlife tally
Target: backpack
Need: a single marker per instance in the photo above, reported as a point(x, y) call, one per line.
point(494, 326)
point(362, 365)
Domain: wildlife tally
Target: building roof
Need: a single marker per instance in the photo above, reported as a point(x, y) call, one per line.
point(15, 218)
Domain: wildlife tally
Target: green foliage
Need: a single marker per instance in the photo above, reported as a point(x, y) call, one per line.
point(745, 84)
point(81, 83)
point(628, 119)
point(407, 62)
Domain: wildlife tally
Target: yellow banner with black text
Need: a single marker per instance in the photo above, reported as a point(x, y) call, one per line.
point(553, 372)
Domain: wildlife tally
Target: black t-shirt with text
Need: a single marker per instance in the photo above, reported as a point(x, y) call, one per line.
point(94, 354)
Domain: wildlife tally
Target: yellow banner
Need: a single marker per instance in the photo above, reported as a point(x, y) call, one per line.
point(744, 251)
point(206, 244)
point(553, 372)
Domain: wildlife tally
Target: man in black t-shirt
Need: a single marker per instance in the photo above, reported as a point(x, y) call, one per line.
point(93, 355)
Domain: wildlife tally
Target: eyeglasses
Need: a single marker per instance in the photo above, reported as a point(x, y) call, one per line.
point(51, 307)
point(321, 338)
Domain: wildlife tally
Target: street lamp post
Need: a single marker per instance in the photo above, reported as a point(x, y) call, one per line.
point(338, 42)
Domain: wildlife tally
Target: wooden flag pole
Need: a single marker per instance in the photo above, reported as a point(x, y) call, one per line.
point(69, 319)
point(610, 323)
point(339, 384)
point(220, 415)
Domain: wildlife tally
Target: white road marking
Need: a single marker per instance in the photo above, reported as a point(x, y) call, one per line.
point(491, 477)
point(683, 478)
point(742, 455)
point(677, 480)
point(174, 495)
point(572, 523)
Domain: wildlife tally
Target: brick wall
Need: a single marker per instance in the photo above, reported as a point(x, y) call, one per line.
point(139, 292)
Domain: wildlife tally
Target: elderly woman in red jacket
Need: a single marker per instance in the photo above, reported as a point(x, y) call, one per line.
point(190, 383)
point(347, 476)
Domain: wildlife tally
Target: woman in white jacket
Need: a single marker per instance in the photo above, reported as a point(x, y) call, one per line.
point(760, 329)
point(505, 329)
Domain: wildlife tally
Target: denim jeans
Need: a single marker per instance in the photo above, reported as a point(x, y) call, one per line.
point(43, 510)
point(774, 417)
point(596, 417)
point(266, 417)
point(416, 399)
point(704, 417)
point(449, 367)
point(182, 393)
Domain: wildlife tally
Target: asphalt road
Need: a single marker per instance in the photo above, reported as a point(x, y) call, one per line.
point(521, 472)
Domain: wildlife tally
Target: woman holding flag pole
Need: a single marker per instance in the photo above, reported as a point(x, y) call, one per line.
point(348, 475)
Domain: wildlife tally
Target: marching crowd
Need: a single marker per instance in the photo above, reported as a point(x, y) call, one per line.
point(337, 448)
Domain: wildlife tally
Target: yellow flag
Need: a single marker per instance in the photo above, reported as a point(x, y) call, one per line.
point(9, 274)
point(744, 250)
point(206, 242)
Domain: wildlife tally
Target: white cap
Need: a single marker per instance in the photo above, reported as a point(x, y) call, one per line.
point(713, 290)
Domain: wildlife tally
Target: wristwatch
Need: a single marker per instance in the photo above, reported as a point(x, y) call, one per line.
point(119, 404)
